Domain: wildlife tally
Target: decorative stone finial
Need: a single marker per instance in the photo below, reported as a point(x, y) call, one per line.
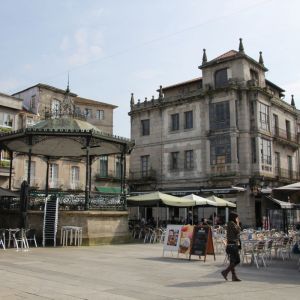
point(204, 57)
point(241, 46)
point(152, 99)
point(68, 86)
point(293, 101)
point(139, 102)
point(160, 95)
point(261, 60)
point(132, 100)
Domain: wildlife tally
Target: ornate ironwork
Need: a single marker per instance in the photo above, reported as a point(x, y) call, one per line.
point(68, 201)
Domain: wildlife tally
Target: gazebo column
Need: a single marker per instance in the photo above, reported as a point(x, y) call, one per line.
point(90, 173)
point(122, 173)
point(29, 167)
point(87, 175)
point(47, 177)
point(10, 168)
point(29, 160)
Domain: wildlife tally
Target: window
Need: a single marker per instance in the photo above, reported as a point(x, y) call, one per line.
point(174, 122)
point(100, 114)
point(74, 175)
point(220, 150)
point(221, 78)
point(253, 75)
point(266, 157)
point(264, 117)
point(5, 155)
point(174, 160)
point(145, 165)
point(290, 166)
point(32, 169)
point(253, 150)
point(145, 127)
point(118, 167)
point(189, 159)
point(103, 165)
point(88, 112)
point(53, 176)
point(32, 102)
point(6, 120)
point(77, 110)
point(276, 125)
point(238, 149)
point(277, 163)
point(288, 129)
point(219, 115)
point(55, 108)
point(188, 119)
point(29, 122)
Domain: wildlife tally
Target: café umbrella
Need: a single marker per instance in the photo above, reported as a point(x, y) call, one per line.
point(222, 203)
point(159, 199)
point(200, 201)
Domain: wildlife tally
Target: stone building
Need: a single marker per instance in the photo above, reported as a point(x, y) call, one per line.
point(10, 108)
point(229, 132)
point(66, 174)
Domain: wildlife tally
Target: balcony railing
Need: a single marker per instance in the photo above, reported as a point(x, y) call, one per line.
point(222, 170)
point(147, 175)
point(110, 175)
point(286, 174)
point(285, 135)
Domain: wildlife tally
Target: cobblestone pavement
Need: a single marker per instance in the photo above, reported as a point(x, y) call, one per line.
point(136, 271)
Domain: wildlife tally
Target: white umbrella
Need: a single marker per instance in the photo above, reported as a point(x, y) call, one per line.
point(200, 201)
point(291, 187)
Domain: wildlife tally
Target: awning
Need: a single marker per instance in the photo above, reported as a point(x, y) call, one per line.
point(158, 198)
point(282, 204)
point(108, 189)
point(221, 202)
point(200, 201)
point(290, 187)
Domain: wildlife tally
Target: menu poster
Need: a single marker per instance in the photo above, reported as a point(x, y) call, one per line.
point(202, 242)
point(186, 239)
point(172, 238)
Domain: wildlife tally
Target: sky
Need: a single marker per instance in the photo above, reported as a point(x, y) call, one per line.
point(114, 48)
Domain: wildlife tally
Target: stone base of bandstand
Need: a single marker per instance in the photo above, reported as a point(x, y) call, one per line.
point(98, 227)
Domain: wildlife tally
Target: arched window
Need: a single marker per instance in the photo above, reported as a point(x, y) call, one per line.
point(221, 78)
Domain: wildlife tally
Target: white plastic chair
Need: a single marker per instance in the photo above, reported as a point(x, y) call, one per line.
point(2, 238)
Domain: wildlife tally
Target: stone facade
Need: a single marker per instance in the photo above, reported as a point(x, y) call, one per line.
point(67, 174)
point(230, 127)
point(9, 120)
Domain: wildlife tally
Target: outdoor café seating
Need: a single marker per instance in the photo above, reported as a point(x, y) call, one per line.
point(71, 235)
point(2, 238)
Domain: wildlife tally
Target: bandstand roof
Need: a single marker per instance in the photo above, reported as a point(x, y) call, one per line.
point(66, 136)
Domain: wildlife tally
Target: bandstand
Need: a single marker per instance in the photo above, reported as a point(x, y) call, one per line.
point(66, 134)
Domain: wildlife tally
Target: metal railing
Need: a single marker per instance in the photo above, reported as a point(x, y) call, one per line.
point(146, 175)
point(285, 135)
point(68, 201)
point(110, 174)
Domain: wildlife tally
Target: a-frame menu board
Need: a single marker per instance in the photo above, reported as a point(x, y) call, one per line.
point(202, 242)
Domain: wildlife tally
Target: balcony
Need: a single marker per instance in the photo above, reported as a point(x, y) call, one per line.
point(111, 175)
point(285, 174)
point(145, 176)
point(222, 171)
point(286, 137)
